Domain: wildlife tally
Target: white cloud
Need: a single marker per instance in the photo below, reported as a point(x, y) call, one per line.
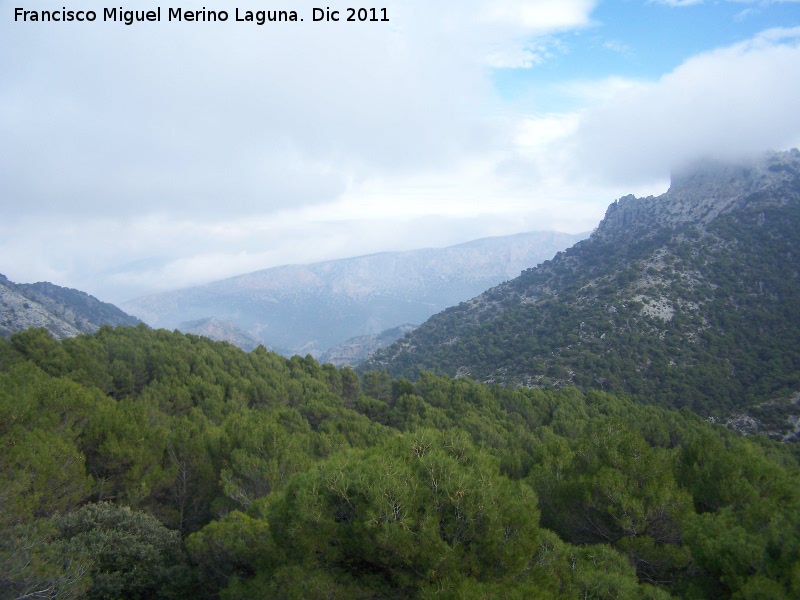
point(540, 15)
point(514, 58)
point(728, 103)
point(159, 156)
point(677, 3)
point(109, 118)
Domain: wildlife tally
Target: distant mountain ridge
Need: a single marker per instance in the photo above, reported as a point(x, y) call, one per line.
point(221, 331)
point(355, 350)
point(311, 308)
point(64, 312)
point(690, 299)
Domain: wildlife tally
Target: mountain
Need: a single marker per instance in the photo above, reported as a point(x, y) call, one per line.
point(64, 312)
point(689, 299)
point(357, 349)
point(310, 308)
point(221, 331)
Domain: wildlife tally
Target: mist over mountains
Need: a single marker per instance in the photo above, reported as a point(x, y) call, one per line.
point(301, 309)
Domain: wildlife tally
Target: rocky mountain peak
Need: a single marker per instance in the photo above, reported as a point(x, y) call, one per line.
point(64, 312)
point(703, 190)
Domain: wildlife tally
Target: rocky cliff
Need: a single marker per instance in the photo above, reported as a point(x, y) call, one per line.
point(62, 311)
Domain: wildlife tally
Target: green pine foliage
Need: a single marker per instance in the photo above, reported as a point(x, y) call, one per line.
point(140, 464)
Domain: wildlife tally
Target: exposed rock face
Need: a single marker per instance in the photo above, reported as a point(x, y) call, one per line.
point(18, 312)
point(701, 192)
point(62, 311)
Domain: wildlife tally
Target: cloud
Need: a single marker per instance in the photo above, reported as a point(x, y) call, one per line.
point(232, 118)
point(728, 103)
point(677, 3)
point(540, 15)
point(156, 156)
point(191, 117)
point(186, 150)
point(745, 14)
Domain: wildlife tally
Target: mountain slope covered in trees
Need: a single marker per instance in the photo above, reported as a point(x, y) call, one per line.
point(688, 299)
point(140, 463)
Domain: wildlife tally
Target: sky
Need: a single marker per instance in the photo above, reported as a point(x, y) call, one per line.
point(144, 158)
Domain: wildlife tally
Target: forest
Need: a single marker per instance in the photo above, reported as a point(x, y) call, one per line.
point(141, 463)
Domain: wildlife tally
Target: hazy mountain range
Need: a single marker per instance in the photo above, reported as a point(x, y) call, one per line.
point(357, 349)
point(311, 308)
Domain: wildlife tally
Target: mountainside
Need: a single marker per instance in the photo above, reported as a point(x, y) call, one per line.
point(141, 462)
point(357, 349)
point(310, 308)
point(64, 312)
point(690, 299)
point(221, 331)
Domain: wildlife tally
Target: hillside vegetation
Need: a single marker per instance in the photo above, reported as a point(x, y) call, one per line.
point(688, 299)
point(143, 463)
